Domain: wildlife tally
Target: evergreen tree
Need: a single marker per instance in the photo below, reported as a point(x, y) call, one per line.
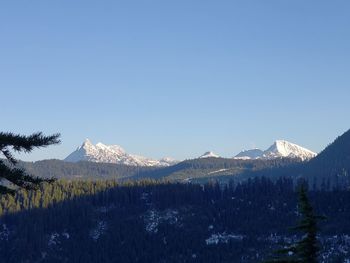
point(306, 250)
point(10, 175)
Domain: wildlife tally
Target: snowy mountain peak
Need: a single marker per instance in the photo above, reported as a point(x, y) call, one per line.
point(279, 149)
point(209, 155)
point(87, 142)
point(282, 148)
point(249, 154)
point(102, 153)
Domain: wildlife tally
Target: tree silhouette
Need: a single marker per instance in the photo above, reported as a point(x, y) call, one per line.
point(306, 250)
point(12, 177)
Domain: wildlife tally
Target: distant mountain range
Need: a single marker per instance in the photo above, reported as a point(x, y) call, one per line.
point(331, 167)
point(101, 153)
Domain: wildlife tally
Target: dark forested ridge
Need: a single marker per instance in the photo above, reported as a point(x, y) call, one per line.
point(188, 170)
point(144, 214)
point(102, 221)
point(333, 162)
point(83, 170)
point(328, 170)
point(208, 168)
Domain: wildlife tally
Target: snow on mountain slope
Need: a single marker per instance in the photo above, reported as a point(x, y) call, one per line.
point(208, 155)
point(282, 148)
point(101, 153)
point(249, 154)
point(278, 149)
point(168, 161)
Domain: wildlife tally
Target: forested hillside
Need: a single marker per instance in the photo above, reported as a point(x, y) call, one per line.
point(328, 170)
point(163, 222)
point(206, 168)
point(83, 170)
point(189, 170)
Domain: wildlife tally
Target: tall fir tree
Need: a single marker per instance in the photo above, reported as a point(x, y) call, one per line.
point(306, 250)
point(12, 177)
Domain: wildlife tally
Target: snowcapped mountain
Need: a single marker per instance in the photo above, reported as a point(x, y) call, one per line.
point(209, 155)
point(282, 148)
point(249, 154)
point(278, 149)
point(101, 153)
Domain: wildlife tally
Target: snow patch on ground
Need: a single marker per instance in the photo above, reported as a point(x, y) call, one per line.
point(337, 246)
point(217, 171)
point(215, 239)
point(154, 217)
point(56, 238)
point(105, 209)
point(4, 233)
point(101, 228)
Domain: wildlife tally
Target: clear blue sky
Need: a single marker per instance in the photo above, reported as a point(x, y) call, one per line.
point(176, 78)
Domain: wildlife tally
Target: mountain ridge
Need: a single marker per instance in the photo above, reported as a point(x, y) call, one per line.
point(279, 149)
point(209, 154)
point(101, 153)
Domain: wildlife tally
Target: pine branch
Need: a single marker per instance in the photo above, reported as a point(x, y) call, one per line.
point(6, 152)
point(26, 143)
point(21, 143)
point(20, 178)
